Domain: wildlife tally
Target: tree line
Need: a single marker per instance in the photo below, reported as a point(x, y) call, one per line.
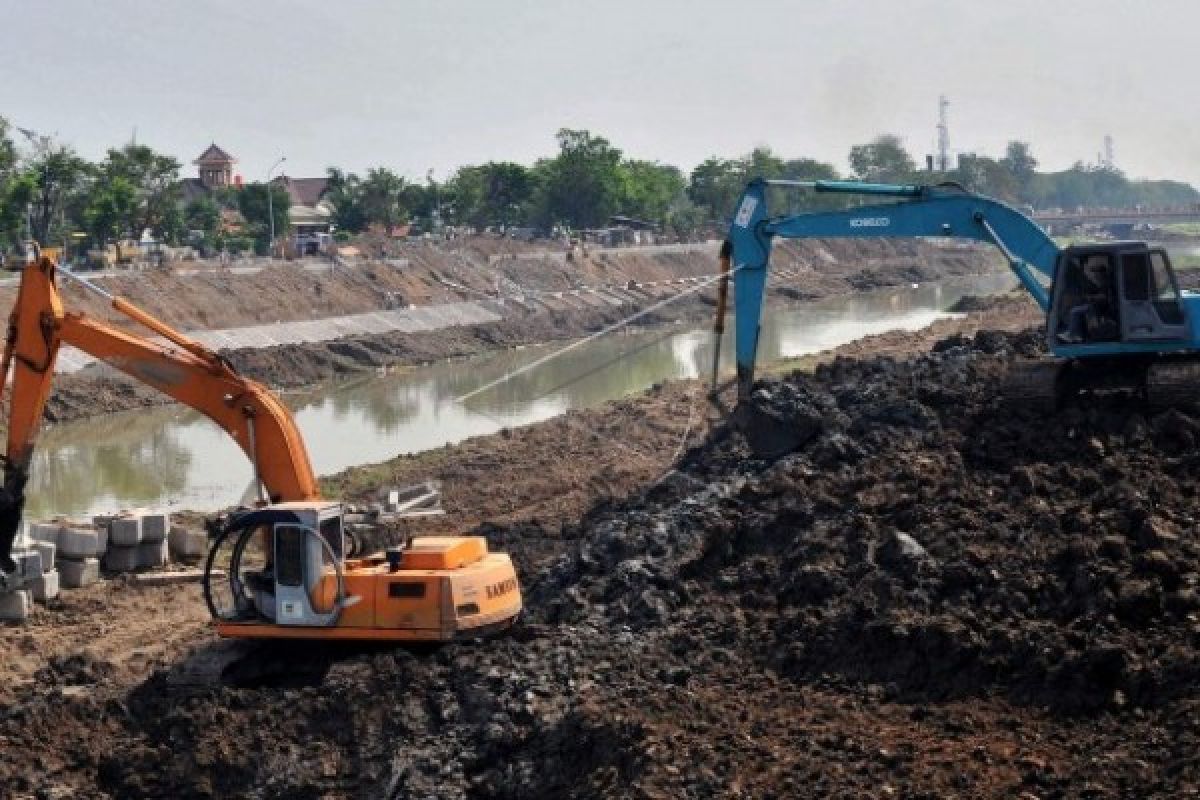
point(49, 193)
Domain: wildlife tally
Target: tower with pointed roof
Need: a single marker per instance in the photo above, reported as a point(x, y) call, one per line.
point(215, 167)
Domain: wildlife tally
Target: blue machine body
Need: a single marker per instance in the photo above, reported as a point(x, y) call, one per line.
point(929, 211)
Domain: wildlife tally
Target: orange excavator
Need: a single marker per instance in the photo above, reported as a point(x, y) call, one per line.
point(283, 570)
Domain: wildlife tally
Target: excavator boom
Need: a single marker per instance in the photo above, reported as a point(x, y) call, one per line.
point(1115, 315)
point(309, 584)
point(179, 367)
point(945, 211)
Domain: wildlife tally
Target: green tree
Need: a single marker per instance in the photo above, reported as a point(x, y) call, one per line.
point(344, 193)
point(882, 160)
point(252, 203)
point(986, 176)
point(810, 169)
point(109, 207)
point(582, 186)
point(762, 163)
point(383, 198)
point(155, 179)
point(49, 182)
point(506, 191)
point(202, 215)
point(1021, 165)
point(650, 189)
point(14, 198)
point(715, 185)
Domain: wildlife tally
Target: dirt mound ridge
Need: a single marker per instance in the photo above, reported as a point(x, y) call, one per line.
point(920, 592)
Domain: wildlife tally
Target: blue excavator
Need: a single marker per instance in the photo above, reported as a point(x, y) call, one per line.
point(1115, 316)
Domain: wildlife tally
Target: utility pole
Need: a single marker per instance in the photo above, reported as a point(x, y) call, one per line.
point(271, 207)
point(435, 222)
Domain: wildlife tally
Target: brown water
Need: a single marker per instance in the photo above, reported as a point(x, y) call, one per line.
point(171, 457)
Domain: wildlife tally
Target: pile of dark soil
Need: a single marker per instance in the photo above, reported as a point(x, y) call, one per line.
point(883, 581)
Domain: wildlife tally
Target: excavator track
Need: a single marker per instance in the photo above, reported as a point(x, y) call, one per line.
point(1035, 383)
point(1173, 384)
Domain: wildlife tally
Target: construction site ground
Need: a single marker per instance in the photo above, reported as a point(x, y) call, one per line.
point(882, 582)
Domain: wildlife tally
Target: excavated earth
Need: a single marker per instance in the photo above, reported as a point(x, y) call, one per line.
point(877, 580)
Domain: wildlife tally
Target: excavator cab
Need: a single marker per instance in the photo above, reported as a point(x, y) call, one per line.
point(1115, 292)
point(279, 564)
point(283, 572)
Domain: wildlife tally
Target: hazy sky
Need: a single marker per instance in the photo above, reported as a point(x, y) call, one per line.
point(418, 85)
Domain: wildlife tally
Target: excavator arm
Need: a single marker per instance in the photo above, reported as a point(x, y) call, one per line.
point(945, 211)
point(178, 367)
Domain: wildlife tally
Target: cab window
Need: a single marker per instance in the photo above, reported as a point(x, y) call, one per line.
point(331, 532)
point(1135, 269)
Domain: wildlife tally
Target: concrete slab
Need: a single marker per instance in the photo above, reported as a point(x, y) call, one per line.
point(153, 554)
point(45, 586)
point(125, 531)
point(15, 606)
point(121, 558)
point(78, 543)
point(187, 543)
point(75, 574)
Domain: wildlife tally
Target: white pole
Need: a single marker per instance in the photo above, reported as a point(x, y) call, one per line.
point(271, 207)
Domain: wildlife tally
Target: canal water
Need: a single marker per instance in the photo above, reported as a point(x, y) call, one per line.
point(174, 458)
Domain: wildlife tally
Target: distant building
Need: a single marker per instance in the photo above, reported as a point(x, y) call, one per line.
point(311, 212)
point(215, 167)
point(214, 170)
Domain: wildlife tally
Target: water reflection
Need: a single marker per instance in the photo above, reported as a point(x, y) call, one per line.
point(171, 457)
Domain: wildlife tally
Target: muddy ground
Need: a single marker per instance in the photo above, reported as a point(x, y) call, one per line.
point(883, 582)
point(224, 299)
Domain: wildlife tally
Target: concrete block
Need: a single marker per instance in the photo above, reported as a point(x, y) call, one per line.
point(188, 543)
point(155, 526)
point(153, 554)
point(15, 606)
point(76, 543)
point(45, 586)
point(45, 532)
point(121, 559)
point(48, 551)
point(125, 531)
point(77, 574)
point(29, 563)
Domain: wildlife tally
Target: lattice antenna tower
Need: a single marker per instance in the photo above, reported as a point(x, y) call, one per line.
point(943, 131)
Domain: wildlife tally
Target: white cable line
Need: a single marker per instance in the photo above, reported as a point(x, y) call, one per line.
point(598, 334)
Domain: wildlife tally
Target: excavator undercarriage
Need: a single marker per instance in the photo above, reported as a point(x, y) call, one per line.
point(1048, 383)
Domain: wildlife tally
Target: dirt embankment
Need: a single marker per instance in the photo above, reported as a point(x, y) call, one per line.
point(204, 297)
point(924, 592)
point(813, 269)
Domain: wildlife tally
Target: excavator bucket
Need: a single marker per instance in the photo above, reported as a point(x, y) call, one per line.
point(12, 507)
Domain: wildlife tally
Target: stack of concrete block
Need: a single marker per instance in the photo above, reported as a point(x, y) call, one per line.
point(136, 539)
point(154, 551)
point(187, 544)
point(16, 604)
point(76, 551)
